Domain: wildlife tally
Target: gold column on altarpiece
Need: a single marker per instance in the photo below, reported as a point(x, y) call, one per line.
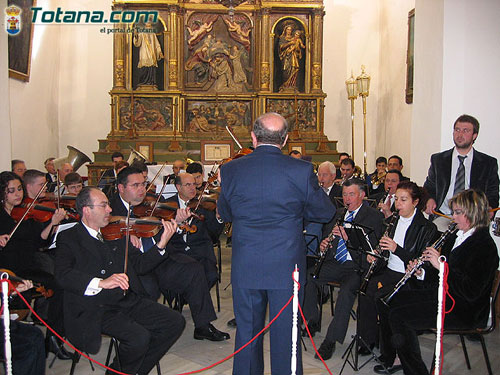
point(173, 50)
point(265, 71)
point(317, 36)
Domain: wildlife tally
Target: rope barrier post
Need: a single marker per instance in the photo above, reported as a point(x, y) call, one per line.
point(439, 318)
point(295, 329)
point(6, 322)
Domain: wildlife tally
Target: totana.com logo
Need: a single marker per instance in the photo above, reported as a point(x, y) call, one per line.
point(13, 20)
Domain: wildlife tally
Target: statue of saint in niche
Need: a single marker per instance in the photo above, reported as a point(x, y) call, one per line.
point(149, 54)
point(289, 56)
point(290, 53)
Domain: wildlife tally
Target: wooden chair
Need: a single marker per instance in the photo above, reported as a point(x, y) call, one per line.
point(479, 332)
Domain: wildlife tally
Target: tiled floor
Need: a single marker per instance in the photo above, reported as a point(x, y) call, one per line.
point(189, 354)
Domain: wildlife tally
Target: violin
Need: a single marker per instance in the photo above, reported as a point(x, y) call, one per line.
point(117, 227)
point(47, 293)
point(66, 201)
point(163, 210)
point(41, 212)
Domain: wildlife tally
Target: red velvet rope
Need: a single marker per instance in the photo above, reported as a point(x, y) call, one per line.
point(12, 288)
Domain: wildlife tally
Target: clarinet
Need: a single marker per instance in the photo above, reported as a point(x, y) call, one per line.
point(378, 250)
point(437, 245)
point(384, 197)
point(322, 256)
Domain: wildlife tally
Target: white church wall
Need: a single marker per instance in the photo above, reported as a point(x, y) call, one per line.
point(34, 104)
point(373, 33)
point(5, 139)
point(351, 38)
point(457, 55)
point(394, 114)
point(86, 76)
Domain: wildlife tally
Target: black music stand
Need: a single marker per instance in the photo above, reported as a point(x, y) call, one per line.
point(357, 241)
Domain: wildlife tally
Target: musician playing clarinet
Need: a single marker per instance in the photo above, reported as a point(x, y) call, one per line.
point(409, 236)
point(472, 258)
point(341, 265)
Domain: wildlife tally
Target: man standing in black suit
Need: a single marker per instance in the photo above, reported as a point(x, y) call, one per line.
point(341, 265)
point(198, 245)
point(461, 168)
point(99, 297)
point(180, 273)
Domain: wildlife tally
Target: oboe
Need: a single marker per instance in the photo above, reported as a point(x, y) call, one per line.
point(452, 229)
point(378, 250)
point(322, 256)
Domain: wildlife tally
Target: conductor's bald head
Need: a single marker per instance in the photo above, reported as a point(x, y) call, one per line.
point(270, 128)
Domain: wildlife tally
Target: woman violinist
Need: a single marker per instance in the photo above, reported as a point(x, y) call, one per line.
point(20, 251)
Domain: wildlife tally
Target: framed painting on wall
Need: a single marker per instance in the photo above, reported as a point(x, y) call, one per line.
point(20, 42)
point(215, 151)
point(409, 57)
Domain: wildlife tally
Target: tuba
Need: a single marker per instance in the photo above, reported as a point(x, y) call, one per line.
point(75, 157)
point(136, 156)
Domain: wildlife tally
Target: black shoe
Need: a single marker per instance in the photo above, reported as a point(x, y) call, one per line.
point(53, 345)
point(313, 328)
point(326, 350)
point(379, 369)
point(232, 323)
point(210, 333)
point(363, 350)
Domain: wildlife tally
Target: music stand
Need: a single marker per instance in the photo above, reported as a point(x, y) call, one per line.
point(358, 241)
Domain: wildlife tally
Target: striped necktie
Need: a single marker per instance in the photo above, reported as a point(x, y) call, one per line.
point(341, 254)
point(460, 178)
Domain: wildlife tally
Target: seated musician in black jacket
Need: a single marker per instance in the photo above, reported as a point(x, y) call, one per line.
point(198, 245)
point(180, 273)
point(472, 258)
point(101, 297)
point(409, 236)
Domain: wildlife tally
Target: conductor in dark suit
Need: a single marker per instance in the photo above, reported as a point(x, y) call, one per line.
point(267, 195)
point(342, 265)
point(91, 271)
point(461, 168)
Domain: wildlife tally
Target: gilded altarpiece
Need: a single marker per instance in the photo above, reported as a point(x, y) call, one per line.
point(202, 66)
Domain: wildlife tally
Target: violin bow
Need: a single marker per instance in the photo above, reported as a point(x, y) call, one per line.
point(156, 176)
point(158, 198)
point(28, 210)
point(127, 239)
point(58, 190)
point(230, 131)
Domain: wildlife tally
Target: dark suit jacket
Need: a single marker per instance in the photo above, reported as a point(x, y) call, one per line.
point(336, 192)
point(483, 176)
point(107, 182)
point(200, 242)
point(267, 196)
point(79, 259)
point(420, 234)
point(472, 267)
point(52, 182)
point(366, 216)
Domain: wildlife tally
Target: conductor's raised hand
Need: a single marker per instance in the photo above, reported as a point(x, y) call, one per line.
point(116, 280)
